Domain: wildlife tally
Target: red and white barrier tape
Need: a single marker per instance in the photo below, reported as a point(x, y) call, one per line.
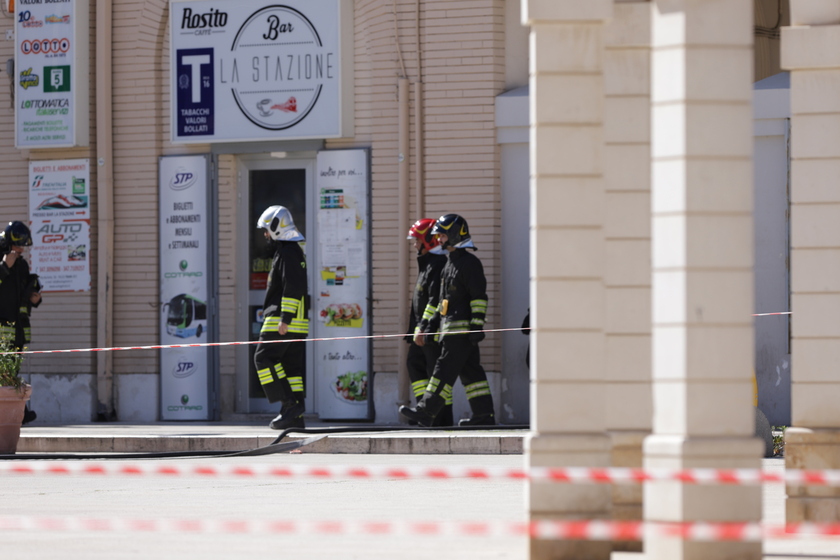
point(284, 341)
point(768, 314)
point(237, 343)
point(570, 475)
point(572, 530)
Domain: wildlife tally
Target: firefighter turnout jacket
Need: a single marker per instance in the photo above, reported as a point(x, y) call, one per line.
point(427, 287)
point(15, 289)
point(285, 295)
point(461, 305)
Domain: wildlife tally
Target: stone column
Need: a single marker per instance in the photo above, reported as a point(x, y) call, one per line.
point(702, 68)
point(627, 231)
point(567, 264)
point(811, 51)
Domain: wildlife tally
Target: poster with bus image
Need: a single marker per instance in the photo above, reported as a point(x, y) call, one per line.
point(186, 374)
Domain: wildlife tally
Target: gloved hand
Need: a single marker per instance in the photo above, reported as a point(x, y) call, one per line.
point(475, 337)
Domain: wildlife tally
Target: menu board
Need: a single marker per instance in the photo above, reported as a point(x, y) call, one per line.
point(341, 294)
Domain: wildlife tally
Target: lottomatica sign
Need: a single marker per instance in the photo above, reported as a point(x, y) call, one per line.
point(257, 70)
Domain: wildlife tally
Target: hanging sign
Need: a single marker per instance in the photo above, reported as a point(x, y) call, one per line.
point(59, 208)
point(341, 295)
point(261, 70)
point(185, 373)
point(51, 73)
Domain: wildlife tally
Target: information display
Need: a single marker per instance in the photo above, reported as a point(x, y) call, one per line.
point(341, 302)
point(59, 209)
point(185, 287)
point(51, 76)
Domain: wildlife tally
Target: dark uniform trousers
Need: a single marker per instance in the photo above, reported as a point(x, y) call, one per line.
point(458, 356)
point(280, 366)
point(421, 365)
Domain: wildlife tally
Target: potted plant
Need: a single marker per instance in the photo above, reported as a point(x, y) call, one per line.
point(13, 394)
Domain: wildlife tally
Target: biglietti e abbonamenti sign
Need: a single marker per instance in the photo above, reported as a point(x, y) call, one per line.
point(260, 70)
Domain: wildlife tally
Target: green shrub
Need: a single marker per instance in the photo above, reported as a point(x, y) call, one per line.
point(9, 363)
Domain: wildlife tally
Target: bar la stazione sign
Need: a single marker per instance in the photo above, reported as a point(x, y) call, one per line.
point(51, 73)
point(257, 70)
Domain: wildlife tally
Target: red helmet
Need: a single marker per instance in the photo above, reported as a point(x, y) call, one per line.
point(422, 230)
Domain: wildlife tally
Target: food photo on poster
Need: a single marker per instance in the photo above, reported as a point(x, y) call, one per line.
point(351, 387)
point(342, 315)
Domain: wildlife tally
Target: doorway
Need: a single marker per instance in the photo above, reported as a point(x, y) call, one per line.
point(266, 181)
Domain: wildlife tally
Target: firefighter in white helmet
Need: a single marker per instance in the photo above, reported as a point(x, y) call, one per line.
point(280, 365)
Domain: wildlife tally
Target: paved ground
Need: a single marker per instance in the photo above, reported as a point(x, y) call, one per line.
point(148, 497)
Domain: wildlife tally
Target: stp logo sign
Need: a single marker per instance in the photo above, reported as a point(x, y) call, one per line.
point(184, 369)
point(183, 179)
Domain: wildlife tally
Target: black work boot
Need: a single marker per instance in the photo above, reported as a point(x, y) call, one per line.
point(479, 420)
point(28, 415)
point(291, 416)
point(418, 414)
point(444, 417)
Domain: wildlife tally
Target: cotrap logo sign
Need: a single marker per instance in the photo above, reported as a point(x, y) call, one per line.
point(261, 71)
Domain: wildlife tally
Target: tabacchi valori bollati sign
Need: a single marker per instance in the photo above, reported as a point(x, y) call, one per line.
point(257, 70)
point(51, 73)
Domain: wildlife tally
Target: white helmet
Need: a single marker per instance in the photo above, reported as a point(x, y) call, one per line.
point(278, 221)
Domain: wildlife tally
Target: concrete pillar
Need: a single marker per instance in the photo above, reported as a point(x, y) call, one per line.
point(702, 68)
point(627, 276)
point(811, 51)
point(567, 264)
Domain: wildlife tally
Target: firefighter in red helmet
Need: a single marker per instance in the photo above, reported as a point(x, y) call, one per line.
point(460, 309)
point(422, 357)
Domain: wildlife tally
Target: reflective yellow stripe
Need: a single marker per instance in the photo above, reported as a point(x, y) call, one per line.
point(297, 384)
point(477, 389)
point(289, 305)
point(24, 310)
point(419, 387)
point(265, 376)
point(429, 312)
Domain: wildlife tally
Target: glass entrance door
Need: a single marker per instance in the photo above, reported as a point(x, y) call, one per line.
point(266, 182)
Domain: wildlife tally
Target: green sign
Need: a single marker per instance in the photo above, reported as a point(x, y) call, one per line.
point(56, 78)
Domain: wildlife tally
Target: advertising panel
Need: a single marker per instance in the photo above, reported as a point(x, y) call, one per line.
point(51, 84)
point(59, 209)
point(341, 302)
point(185, 287)
point(261, 71)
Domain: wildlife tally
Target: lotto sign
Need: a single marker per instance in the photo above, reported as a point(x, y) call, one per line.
point(51, 58)
point(261, 71)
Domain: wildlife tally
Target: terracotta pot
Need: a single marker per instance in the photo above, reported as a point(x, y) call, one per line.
point(12, 404)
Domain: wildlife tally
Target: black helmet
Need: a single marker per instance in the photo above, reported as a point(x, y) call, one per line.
point(456, 229)
point(16, 233)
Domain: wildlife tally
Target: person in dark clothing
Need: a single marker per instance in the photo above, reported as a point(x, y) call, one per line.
point(460, 310)
point(20, 290)
point(280, 365)
point(421, 359)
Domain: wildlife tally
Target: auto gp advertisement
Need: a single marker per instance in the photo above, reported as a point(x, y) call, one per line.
point(50, 73)
point(184, 287)
point(59, 210)
point(341, 304)
point(254, 69)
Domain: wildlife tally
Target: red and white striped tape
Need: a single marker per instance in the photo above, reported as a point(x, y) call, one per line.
point(236, 343)
point(572, 475)
point(284, 341)
point(571, 530)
